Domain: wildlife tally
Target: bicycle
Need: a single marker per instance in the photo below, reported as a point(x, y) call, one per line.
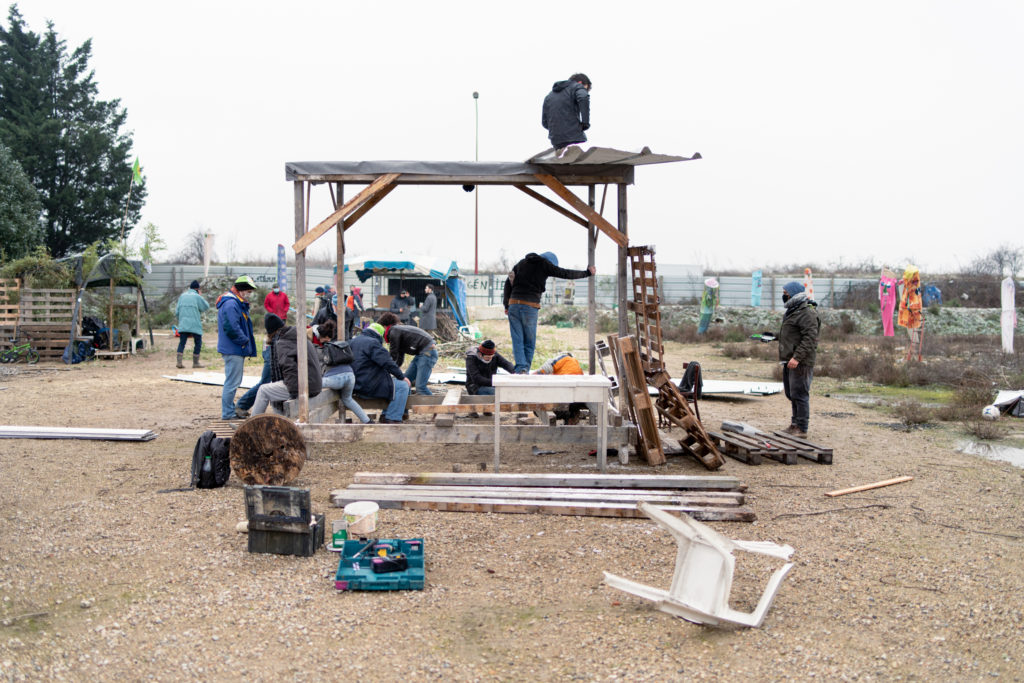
point(13, 354)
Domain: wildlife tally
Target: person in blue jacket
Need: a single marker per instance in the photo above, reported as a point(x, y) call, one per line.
point(235, 340)
point(189, 312)
point(377, 373)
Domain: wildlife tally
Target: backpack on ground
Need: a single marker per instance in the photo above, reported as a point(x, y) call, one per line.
point(217, 450)
point(338, 353)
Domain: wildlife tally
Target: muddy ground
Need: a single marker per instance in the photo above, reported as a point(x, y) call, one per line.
point(103, 577)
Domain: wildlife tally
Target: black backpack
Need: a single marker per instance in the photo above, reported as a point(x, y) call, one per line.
point(210, 444)
point(338, 353)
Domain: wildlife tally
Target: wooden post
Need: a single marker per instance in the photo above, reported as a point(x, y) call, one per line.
point(138, 311)
point(110, 317)
point(341, 310)
point(300, 301)
point(622, 286)
point(591, 285)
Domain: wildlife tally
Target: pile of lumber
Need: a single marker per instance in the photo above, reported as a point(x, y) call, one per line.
point(706, 498)
point(750, 445)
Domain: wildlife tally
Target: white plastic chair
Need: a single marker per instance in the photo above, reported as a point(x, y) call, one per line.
point(702, 580)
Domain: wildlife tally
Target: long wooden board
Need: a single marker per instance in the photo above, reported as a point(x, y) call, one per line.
point(519, 506)
point(468, 433)
point(630, 481)
point(712, 499)
point(868, 487)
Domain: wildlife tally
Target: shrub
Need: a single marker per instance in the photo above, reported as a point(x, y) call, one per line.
point(911, 413)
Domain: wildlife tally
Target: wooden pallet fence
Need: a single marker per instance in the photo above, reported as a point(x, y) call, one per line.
point(10, 295)
point(46, 306)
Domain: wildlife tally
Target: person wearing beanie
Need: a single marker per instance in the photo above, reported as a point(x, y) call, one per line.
point(284, 341)
point(276, 302)
point(248, 399)
point(377, 373)
point(481, 363)
point(324, 307)
point(189, 312)
point(798, 344)
point(524, 288)
point(411, 340)
point(235, 340)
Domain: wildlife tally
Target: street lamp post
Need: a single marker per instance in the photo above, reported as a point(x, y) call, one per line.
point(476, 199)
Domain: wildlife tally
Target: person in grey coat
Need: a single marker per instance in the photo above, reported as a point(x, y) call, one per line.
point(427, 312)
point(566, 111)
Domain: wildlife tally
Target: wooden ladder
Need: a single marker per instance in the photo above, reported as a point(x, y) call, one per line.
point(671, 404)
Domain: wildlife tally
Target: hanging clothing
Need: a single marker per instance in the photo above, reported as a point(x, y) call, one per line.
point(708, 304)
point(755, 288)
point(910, 302)
point(808, 283)
point(1009, 316)
point(887, 300)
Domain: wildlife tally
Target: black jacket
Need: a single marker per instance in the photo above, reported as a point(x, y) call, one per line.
point(373, 367)
point(480, 372)
point(529, 277)
point(406, 339)
point(798, 336)
point(402, 307)
point(284, 362)
point(566, 113)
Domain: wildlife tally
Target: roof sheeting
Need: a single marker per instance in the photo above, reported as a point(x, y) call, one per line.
point(575, 156)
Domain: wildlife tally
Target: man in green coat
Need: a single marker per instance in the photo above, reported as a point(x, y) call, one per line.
point(798, 345)
point(189, 312)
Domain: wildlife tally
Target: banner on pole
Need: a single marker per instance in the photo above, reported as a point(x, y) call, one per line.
point(207, 252)
point(282, 269)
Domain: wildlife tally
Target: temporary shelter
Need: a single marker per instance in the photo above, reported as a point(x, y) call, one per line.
point(442, 270)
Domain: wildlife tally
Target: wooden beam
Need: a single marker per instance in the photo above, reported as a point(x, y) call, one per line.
point(460, 408)
point(345, 210)
point(593, 216)
point(648, 481)
point(301, 209)
point(581, 435)
point(550, 204)
point(367, 205)
point(867, 487)
point(451, 400)
point(712, 499)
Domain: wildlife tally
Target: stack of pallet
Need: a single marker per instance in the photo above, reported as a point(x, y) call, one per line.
point(41, 317)
point(706, 498)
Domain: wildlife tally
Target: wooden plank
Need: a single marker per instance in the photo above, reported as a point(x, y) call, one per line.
point(547, 202)
point(868, 487)
point(713, 497)
point(451, 399)
point(466, 408)
point(647, 481)
point(582, 435)
point(593, 216)
point(345, 210)
point(518, 506)
point(362, 492)
point(644, 408)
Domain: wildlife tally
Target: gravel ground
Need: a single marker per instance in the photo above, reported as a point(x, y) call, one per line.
point(102, 577)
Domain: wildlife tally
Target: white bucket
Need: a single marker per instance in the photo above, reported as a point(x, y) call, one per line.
point(361, 517)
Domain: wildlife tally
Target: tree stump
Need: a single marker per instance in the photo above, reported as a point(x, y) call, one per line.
point(267, 449)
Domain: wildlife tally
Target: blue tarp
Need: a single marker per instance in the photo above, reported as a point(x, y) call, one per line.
point(445, 270)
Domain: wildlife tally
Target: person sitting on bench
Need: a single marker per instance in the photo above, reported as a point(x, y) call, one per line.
point(378, 375)
point(284, 365)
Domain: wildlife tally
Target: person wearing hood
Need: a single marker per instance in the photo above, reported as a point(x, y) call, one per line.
point(189, 312)
point(235, 340)
point(284, 365)
point(798, 344)
point(276, 302)
point(407, 339)
point(377, 374)
point(566, 111)
point(524, 288)
point(354, 304)
point(481, 363)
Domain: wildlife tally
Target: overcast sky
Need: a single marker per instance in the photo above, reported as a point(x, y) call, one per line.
point(887, 130)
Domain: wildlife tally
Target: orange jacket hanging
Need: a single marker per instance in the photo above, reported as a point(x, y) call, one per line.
point(910, 301)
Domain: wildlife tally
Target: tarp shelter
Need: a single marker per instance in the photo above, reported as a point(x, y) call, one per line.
point(444, 270)
point(109, 271)
point(1010, 402)
point(597, 166)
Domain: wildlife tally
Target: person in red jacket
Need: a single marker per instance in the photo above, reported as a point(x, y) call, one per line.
point(276, 302)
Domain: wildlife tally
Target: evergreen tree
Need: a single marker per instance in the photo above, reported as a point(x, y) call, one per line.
point(67, 140)
point(20, 230)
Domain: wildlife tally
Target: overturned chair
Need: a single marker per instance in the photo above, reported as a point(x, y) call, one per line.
point(703, 575)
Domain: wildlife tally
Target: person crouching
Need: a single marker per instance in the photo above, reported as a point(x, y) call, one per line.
point(284, 365)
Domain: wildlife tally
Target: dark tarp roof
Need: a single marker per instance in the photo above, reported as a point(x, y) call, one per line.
point(595, 156)
point(101, 272)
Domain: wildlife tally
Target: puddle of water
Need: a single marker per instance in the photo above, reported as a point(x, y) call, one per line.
point(1014, 456)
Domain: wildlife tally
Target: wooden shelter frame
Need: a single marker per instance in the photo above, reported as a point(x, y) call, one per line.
point(558, 178)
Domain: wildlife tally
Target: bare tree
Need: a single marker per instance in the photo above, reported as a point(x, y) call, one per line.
point(1004, 259)
point(194, 250)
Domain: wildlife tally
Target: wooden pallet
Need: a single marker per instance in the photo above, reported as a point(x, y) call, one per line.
point(638, 402)
point(9, 297)
point(674, 407)
point(46, 306)
point(646, 306)
point(752, 448)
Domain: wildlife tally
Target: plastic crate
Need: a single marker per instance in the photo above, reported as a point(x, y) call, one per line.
point(356, 573)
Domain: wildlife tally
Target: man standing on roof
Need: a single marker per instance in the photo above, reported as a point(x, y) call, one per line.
point(566, 111)
point(798, 345)
point(524, 288)
point(235, 340)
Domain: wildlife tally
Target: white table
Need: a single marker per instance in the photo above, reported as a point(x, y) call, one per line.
point(590, 389)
